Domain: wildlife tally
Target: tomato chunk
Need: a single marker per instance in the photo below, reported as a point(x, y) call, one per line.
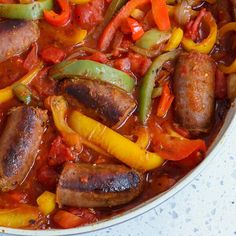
point(52, 54)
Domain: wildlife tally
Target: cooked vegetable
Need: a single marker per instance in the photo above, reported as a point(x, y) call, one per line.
point(224, 30)
point(30, 11)
point(7, 93)
point(231, 86)
point(79, 1)
point(47, 202)
point(92, 70)
point(58, 19)
point(109, 32)
point(137, 14)
point(136, 29)
point(207, 44)
point(23, 93)
point(160, 14)
point(18, 217)
point(59, 109)
point(175, 39)
point(151, 38)
point(145, 94)
point(127, 151)
point(165, 101)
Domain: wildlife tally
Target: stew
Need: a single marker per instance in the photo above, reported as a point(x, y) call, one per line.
point(105, 104)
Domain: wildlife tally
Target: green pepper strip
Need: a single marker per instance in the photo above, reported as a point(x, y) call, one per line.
point(94, 71)
point(31, 11)
point(146, 90)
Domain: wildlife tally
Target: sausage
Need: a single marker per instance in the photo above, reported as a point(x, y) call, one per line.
point(111, 104)
point(193, 85)
point(19, 145)
point(105, 185)
point(16, 36)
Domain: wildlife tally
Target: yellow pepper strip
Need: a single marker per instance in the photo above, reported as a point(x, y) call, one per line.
point(47, 202)
point(175, 39)
point(79, 36)
point(143, 137)
point(79, 1)
point(7, 94)
point(115, 144)
point(59, 108)
point(18, 217)
point(207, 44)
point(223, 30)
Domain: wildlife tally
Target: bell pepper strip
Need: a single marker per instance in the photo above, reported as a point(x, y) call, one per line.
point(110, 30)
point(18, 217)
point(94, 71)
point(137, 14)
point(127, 151)
point(147, 52)
point(223, 30)
point(160, 14)
point(145, 94)
point(23, 93)
point(207, 44)
point(66, 220)
point(7, 93)
point(165, 101)
point(172, 146)
point(59, 108)
point(175, 39)
point(47, 202)
point(136, 29)
point(143, 137)
point(113, 8)
point(31, 11)
point(58, 19)
point(152, 38)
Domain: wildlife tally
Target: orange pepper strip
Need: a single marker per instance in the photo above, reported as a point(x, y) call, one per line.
point(160, 14)
point(136, 29)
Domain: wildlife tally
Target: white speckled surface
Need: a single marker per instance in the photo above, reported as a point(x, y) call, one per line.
point(206, 207)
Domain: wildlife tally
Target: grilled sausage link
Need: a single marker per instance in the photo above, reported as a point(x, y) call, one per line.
point(16, 36)
point(19, 145)
point(105, 185)
point(194, 82)
point(111, 104)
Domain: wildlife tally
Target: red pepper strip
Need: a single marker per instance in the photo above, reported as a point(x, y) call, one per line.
point(193, 25)
point(136, 29)
point(165, 101)
point(58, 19)
point(174, 148)
point(110, 30)
point(52, 54)
point(160, 14)
point(32, 58)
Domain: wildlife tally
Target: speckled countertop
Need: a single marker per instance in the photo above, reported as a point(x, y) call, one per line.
point(206, 207)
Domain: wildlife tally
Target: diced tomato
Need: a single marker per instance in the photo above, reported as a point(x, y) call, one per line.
point(86, 214)
point(47, 176)
point(136, 29)
point(59, 153)
point(90, 14)
point(171, 147)
point(139, 63)
point(122, 64)
point(52, 54)
point(220, 85)
point(32, 58)
point(66, 220)
point(17, 196)
point(97, 56)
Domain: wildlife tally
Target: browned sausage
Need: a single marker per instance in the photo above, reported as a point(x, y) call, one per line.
point(111, 104)
point(16, 36)
point(19, 145)
point(105, 185)
point(194, 82)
